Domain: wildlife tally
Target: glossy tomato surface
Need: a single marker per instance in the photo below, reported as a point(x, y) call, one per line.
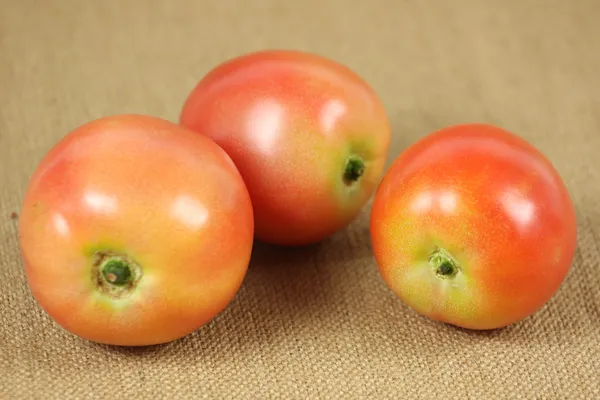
point(135, 231)
point(474, 227)
point(308, 135)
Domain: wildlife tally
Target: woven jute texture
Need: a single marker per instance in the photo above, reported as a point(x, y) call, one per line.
point(315, 322)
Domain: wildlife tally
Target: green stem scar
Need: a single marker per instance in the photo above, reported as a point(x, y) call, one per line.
point(444, 266)
point(355, 168)
point(114, 274)
point(117, 272)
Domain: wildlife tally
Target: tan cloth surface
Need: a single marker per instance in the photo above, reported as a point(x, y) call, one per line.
point(316, 322)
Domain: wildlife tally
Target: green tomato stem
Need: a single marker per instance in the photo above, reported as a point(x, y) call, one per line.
point(444, 266)
point(355, 168)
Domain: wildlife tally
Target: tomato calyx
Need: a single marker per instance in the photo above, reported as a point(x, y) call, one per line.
point(355, 168)
point(115, 275)
point(443, 264)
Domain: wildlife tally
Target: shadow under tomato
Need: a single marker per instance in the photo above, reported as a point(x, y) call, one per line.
point(298, 290)
point(285, 287)
point(131, 350)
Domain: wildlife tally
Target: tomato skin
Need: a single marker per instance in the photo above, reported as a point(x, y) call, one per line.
point(291, 121)
point(496, 205)
point(146, 189)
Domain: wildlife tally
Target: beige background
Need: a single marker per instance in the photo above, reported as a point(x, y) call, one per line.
point(316, 322)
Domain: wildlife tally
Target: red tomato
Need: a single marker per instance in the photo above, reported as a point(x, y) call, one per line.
point(474, 227)
point(308, 135)
point(135, 231)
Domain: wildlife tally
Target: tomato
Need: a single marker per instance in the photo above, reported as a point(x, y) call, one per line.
point(308, 135)
point(473, 226)
point(135, 231)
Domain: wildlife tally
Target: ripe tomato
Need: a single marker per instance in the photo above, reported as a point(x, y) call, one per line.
point(474, 227)
point(308, 135)
point(135, 231)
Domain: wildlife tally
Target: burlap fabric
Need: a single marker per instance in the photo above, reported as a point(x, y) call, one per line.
point(315, 322)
